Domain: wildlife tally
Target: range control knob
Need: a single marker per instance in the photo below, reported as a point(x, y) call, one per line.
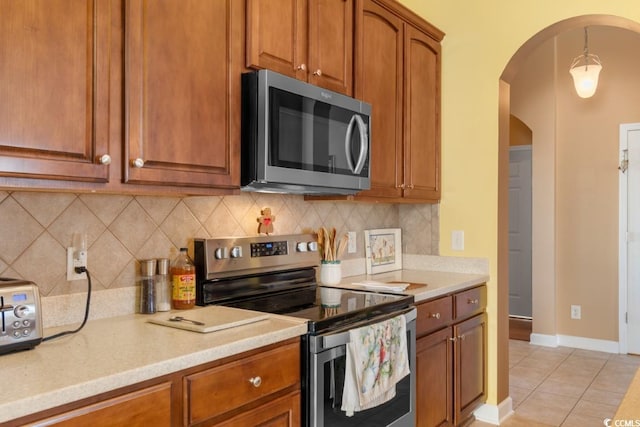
point(21, 311)
point(236, 252)
point(313, 246)
point(301, 246)
point(221, 253)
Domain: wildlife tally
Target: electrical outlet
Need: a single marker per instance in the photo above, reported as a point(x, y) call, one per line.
point(576, 312)
point(457, 240)
point(352, 247)
point(76, 259)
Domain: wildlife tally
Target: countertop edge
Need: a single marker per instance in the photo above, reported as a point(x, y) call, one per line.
point(10, 410)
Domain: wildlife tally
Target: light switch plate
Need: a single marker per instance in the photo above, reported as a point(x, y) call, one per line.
point(352, 247)
point(457, 240)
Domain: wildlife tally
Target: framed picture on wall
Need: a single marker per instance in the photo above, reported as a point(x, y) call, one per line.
point(383, 250)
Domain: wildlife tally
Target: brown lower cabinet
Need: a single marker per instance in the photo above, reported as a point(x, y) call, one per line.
point(451, 358)
point(259, 387)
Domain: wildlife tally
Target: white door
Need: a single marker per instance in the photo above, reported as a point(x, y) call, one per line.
point(520, 231)
point(630, 238)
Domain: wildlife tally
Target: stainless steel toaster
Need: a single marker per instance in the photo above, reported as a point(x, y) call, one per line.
point(21, 316)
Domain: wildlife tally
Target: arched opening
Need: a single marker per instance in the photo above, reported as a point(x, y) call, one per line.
point(509, 74)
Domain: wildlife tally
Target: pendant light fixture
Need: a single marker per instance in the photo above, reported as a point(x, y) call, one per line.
point(585, 70)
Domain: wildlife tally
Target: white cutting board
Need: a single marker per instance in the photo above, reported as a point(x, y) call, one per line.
point(214, 317)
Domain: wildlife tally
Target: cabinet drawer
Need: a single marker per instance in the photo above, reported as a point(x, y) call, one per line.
point(433, 315)
point(470, 302)
point(221, 389)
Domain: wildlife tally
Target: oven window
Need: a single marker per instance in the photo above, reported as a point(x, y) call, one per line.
point(330, 387)
point(306, 134)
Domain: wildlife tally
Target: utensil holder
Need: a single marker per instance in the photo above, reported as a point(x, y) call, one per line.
point(330, 272)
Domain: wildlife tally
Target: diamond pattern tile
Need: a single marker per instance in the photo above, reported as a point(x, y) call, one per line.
point(77, 218)
point(36, 227)
point(133, 227)
point(42, 206)
point(44, 263)
point(106, 207)
point(18, 230)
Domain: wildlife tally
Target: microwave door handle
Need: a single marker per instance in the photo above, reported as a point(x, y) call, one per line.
point(364, 146)
point(347, 142)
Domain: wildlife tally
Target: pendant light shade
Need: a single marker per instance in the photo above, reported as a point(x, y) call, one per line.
point(585, 70)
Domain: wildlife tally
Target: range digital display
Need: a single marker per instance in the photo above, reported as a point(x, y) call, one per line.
point(269, 249)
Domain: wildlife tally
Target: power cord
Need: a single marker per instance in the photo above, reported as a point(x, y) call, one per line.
point(86, 310)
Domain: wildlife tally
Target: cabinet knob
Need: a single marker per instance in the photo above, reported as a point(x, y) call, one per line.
point(435, 315)
point(410, 186)
point(472, 301)
point(453, 339)
point(301, 67)
point(400, 186)
point(317, 72)
point(105, 159)
point(137, 163)
point(461, 337)
point(255, 381)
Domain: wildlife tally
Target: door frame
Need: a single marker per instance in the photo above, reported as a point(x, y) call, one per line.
point(622, 241)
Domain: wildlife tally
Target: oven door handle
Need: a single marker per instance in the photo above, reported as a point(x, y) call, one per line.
point(341, 336)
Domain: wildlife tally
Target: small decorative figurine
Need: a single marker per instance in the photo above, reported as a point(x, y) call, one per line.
point(266, 221)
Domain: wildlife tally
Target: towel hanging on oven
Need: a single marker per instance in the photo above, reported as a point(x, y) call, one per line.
point(377, 359)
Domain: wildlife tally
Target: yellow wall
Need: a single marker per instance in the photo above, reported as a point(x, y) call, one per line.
point(481, 38)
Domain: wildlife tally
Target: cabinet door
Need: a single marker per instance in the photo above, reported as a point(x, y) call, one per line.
point(470, 361)
point(422, 115)
point(434, 380)
point(183, 92)
point(331, 44)
point(378, 81)
point(147, 407)
point(54, 88)
point(277, 36)
point(281, 412)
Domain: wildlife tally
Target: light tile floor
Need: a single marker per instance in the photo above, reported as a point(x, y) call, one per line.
point(564, 386)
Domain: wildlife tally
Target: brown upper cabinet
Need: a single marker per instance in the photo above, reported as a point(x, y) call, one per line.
point(182, 98)
point(311, 40)
point(54, 87)
point(108, 95)
point(397, 70)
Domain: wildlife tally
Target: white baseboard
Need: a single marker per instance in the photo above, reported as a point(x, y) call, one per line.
point(582, 343)
point(495, 414)
point(544, 340)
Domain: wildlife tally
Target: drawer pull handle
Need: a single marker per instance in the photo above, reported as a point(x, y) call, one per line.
point(472, 301)
point(435, 315)
point(255, 381)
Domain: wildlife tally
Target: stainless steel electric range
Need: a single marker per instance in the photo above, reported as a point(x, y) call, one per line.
point(277, 274)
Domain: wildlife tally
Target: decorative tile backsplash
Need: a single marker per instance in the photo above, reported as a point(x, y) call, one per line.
point(36, 228)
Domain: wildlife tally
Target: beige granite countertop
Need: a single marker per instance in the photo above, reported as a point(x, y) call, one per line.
point(114, 352)
point(437, 282)
point(119, 351)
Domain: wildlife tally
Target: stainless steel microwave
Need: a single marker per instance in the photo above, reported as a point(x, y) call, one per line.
point(298, 138)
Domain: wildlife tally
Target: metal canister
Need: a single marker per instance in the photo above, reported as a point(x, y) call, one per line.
point(147, 286)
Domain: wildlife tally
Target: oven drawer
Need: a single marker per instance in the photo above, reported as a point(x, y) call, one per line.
point(433, 315)
point(470, 302)
point(227, 387)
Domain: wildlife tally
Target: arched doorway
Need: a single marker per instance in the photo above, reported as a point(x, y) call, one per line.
point(508, 76)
